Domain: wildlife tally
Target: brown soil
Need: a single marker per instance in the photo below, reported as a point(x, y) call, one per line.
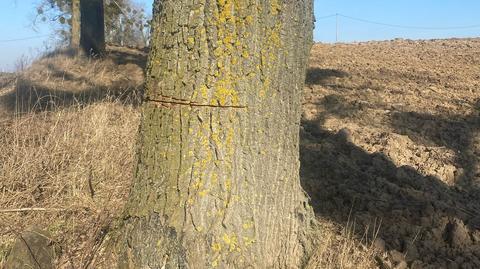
point(391, 135)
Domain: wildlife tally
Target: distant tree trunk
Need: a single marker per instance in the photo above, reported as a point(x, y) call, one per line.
point(75, 38)
point(217, 180)
point(92, 38)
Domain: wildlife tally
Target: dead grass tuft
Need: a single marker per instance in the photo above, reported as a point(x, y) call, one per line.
point(339, 248)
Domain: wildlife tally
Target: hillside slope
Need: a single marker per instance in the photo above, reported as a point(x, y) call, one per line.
point(389, 152)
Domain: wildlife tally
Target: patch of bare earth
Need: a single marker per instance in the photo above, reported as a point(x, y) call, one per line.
point(390, 135)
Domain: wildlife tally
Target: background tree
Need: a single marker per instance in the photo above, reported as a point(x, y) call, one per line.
point(57, 14)
point(126, 22)
point(92, 30)
point(217, 180)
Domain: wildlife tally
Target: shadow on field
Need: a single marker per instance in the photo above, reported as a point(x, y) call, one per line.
point(29, 96)
point(432, 224)
point(458, 133)
point(120, 55)
point(319, 76)
point(67, 52)
point(123, 56)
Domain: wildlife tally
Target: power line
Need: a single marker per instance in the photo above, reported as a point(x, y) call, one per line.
point(325, 17)
point(22, 39)
point(409, 26)
point(474, 26)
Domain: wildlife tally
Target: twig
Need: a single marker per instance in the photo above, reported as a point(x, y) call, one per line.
point(27, 209)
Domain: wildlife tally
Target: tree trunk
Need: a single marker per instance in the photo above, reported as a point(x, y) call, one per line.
point(217, 180)
point(92, 38)
point(75, 38)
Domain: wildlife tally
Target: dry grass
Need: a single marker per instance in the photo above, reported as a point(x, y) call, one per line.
point(74, 157)
point(77, 160)
point(339, 248)
point(67, 145)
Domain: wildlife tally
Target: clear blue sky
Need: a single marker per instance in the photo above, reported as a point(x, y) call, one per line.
point(16, 17)
point(419, 13)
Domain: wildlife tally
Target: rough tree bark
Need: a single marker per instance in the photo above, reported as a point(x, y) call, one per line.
point(75, 38)
point(217, 180)
point(92, 37)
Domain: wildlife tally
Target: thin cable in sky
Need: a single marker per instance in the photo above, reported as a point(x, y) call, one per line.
point(399, 25)
point(410, 26)
point(22, 39)
point(325, 17)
